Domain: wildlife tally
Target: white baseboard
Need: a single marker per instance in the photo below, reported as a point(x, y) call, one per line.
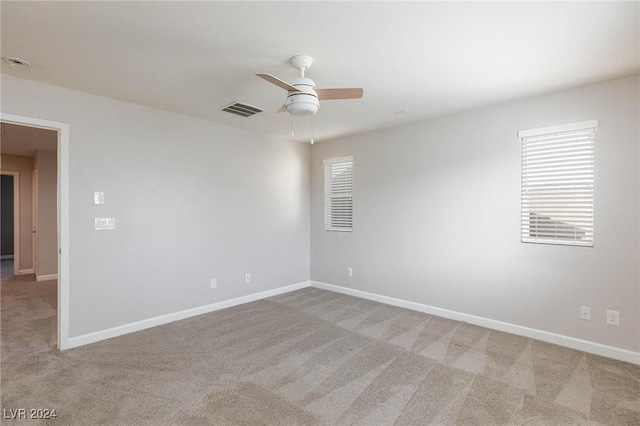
point(545, 336)
point(6, 256)
point(46, 277)
point(176, 316)
point(25, 271)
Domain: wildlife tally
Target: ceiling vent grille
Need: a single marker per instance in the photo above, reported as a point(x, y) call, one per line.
point(243, 110)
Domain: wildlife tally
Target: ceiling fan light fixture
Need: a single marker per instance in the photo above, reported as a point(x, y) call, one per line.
point(301, 108)
point(304, 101)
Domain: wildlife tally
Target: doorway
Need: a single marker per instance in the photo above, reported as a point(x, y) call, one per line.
point(10, 224)
point(57, 202)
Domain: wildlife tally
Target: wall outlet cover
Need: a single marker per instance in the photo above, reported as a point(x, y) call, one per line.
point(613, 317)
point(104, 223)
point(585, 313)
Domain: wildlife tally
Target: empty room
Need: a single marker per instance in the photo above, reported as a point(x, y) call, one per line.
point(319, 213)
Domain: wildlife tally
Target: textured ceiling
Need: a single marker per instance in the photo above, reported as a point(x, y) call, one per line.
point(424, 58)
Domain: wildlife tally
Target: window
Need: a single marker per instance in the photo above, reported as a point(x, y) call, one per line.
point(338, 194)
point(557, 184)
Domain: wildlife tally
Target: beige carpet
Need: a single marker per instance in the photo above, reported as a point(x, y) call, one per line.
point(307, 357)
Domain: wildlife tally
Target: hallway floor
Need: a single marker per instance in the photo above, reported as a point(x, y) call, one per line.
point(29, 317)
point(6, 268)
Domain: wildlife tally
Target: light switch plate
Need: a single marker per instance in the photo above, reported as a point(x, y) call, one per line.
point(98, 198)
point(105, 223)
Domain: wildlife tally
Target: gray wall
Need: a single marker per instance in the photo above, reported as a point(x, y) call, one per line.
point(6, 216)
point(24, 166)
point(193, 200)
point(437, 209)
point(436, 212)
point(46, 163)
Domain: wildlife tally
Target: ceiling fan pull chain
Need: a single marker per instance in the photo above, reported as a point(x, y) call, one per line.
point(291, 123)
point(311, 128)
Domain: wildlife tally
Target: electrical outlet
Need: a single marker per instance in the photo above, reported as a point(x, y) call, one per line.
point(349, 271)
point(613, 317)
point(585, 313)
point(247, 277)
point(214, 283)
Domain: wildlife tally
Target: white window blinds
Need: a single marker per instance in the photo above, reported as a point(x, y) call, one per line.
point(338, 194)
point(557, 184)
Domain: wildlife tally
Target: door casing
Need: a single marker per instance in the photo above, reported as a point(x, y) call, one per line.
point(62, 130)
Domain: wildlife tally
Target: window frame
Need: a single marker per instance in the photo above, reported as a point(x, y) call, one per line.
point(328, 195)
point(545, 178)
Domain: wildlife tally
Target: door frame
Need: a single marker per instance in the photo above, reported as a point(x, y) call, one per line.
point(62, 130)
point(34, 221)
point(16, 219)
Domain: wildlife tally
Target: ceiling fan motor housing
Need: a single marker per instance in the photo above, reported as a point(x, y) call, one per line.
point(304, 102)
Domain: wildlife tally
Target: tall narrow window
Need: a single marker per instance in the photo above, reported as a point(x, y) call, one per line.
point(557, 184)
point(338, 194)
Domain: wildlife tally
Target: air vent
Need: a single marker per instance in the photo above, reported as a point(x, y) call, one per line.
point(243, 110)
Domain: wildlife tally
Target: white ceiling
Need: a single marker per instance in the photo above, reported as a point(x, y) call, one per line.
point(25, 141)
point(425, 58)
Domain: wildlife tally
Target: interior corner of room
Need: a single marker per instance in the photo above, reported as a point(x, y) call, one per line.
point(170, 214)
point(435, 229)
point(320, 212)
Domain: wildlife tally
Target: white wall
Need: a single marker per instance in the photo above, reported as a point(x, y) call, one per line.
point(437, 208)
point(436, 212)
point(193, 200)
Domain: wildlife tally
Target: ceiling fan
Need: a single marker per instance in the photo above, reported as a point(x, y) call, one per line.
point(302, 96)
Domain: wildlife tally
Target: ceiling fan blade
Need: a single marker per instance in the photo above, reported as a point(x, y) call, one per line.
point(275, 80)
point(329, 94)
point(283, 108)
